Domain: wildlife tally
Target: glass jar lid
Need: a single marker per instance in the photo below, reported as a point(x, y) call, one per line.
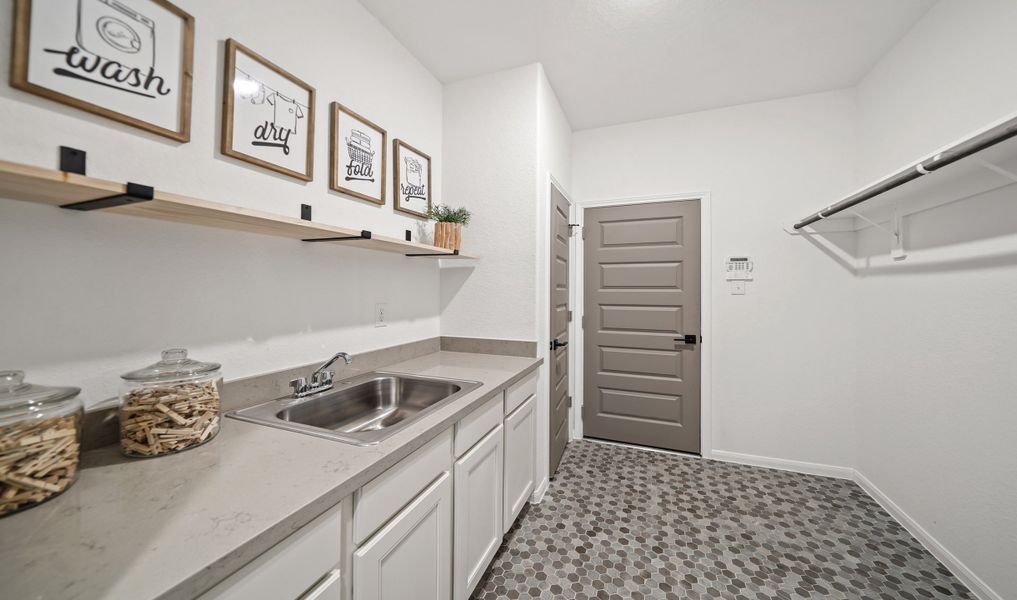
point(15, 393)
point(174, 366)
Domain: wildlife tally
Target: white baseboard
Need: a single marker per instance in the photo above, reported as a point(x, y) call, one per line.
point(959, 569)
point(784, 465)
point(538, 493)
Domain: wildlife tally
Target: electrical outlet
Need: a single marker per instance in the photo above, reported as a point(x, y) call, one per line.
point(379, 314)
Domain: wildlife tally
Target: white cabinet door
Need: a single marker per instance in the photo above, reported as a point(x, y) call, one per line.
point(410, 558)
point(520, 463)
point(478, 511)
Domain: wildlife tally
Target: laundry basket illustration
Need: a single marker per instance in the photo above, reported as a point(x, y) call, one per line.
point(414, 171)
point(359, 147)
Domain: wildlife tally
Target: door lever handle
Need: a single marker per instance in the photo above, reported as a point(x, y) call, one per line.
point(555, 344)
point(688, 340)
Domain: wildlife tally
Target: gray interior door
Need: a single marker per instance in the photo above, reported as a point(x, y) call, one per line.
point(559, 324)
point(642, 296)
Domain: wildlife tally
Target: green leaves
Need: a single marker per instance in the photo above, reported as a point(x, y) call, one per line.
point(447, 214)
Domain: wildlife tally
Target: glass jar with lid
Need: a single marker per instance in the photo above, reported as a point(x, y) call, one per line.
point(40, 441)
point(169, 406)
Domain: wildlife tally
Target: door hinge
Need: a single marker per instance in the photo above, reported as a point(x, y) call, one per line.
point(582, 322)
point(569, 400)
point(569, 316)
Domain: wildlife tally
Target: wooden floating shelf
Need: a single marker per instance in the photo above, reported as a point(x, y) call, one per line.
point(59, 188)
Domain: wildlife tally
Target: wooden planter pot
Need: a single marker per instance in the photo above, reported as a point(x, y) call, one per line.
point(448, 235)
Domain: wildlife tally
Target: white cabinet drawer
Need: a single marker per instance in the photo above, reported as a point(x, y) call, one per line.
point(387, 494)
point(330, 588)
point(291, 568)
point(474, 426)
point(520, 392)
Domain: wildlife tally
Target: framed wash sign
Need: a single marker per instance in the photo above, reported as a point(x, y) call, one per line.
point(412, 179)
point(128, 60)
point(268, 118)
point(358, 155)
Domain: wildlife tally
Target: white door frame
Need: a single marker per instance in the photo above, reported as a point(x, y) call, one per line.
point(543, 286)
point(706, 310)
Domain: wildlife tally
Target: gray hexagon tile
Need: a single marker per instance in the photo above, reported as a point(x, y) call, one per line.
point(620, 523)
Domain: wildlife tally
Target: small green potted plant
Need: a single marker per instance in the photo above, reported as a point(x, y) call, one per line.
point(448, 226)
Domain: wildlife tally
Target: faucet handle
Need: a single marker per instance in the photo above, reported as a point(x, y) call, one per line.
point(299, 385)
point(323, 378)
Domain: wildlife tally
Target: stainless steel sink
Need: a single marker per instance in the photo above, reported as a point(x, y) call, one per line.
point(363, 410)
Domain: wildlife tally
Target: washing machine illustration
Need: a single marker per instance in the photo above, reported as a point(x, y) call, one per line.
point(117, 32)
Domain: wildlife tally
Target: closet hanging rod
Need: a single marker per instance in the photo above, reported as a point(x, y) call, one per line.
point(972, 145)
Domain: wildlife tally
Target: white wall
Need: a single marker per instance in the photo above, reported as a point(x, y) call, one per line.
point(505, 136)
point(784, 353)
point(94, 295)
point(490, 152)
point(939, 339)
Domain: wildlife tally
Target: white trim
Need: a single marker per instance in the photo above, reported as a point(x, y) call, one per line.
point(543, 334)
point(538, 492)
point(705, 315)
point(958, 568)
point(796, 466)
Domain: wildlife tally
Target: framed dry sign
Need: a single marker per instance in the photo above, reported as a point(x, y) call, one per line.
point(128, 60)
point(268, 117)
point(412, 179)
point(358, 155)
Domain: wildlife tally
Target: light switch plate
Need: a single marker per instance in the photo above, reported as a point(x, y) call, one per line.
point(380, 310)
point(737, 288)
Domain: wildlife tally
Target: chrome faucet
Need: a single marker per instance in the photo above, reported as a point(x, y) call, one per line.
point(321, 379)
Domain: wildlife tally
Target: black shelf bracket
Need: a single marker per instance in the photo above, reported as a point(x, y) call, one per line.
point(135, 193)
point(72, 160)
point(364, 235)
point(453, 253)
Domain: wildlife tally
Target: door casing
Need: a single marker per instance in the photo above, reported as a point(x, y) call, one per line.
point(706, 308)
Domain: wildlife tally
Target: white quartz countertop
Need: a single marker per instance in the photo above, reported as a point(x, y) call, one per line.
point(171, 527)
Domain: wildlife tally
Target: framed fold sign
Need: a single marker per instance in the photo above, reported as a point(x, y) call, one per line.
point(358, 155)
point(127, 60)
point(268, 117)
point(412, 180)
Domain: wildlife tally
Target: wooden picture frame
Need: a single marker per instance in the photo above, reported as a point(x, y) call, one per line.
point(410, 193)
point(343, 166)
point(258, 91)
point(107, 35)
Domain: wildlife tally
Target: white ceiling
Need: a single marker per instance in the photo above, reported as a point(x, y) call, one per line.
point(616, 61)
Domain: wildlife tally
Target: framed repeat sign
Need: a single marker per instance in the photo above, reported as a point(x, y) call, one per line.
point(268, 117)
point(128, 60)
point(412, 180)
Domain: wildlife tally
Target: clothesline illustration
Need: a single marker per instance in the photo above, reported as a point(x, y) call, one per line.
point(287, 111)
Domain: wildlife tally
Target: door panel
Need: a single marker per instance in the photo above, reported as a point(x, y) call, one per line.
point(411, 557)
point(520, 441)
point(478, 510)
point(642, 280)
point(559, 325)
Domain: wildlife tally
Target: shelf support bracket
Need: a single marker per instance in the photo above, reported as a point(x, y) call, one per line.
point(364, 235)
point(896, 231)
point(135, 193)
point(453, 253)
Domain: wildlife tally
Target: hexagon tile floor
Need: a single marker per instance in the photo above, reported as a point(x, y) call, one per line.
point(620, 523)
